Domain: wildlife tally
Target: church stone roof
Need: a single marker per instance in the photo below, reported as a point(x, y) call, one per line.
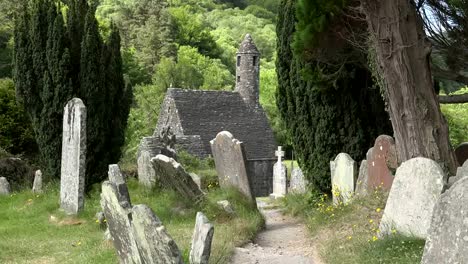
point(206, 113)
point(248, 46)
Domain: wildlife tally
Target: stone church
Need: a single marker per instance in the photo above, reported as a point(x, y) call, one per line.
point(197, 116)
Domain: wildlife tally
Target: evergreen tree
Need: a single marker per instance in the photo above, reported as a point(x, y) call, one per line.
point(328, 107)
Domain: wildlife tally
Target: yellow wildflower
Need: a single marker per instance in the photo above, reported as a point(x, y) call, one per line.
point(371, 221)
point(350, 237)
point(378, 210)
point(374, 238)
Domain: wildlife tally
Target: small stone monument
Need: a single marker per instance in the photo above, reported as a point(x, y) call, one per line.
point(230, 162)
point(343, 178)
point(73, 165)
point(37, 184)
point(416, 189)
point(4, 186)
point(201, 240)
point(298, 183)
point(279, 176)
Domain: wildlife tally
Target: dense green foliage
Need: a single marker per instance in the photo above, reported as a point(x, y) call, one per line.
point(54, 62)
point(329, 102)
point(16, 134)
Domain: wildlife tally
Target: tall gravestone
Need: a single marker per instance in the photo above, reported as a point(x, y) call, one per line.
point(146, 173)
point(279, 176)
point(447, 241)
point(230, 162)
point(382, 158)
point(73, 165)
point(37, 184)
point(298, 183)
point(201, 240)
point(343, 178)
point(4, 186)
point(416, 189)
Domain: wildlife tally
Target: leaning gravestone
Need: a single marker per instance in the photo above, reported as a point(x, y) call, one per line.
point(173, 176)
point(461, 152)
point(362, 181)
point(4, 186)
point(382, 158)
point(37, 184)
point(146, 173)
point(230, 162)
point(343, 178)
point(138, 235)
point(417, 187)
point(298, 183)
point(115, 176)
point(201, 240)
point(73, 165)
point(447, 241)
point(279, 176)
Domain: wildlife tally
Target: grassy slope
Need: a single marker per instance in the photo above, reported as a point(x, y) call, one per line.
point(349, 234)
point(27, 235)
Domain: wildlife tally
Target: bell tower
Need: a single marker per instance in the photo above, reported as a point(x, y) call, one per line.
point(248, 71)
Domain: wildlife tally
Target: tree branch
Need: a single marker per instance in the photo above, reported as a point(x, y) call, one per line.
point(448, 75)
point(454, 99)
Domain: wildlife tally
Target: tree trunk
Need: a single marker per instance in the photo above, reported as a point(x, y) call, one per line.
point(403, 53)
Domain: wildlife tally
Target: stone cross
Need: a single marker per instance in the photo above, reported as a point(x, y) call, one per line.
point(279, 153)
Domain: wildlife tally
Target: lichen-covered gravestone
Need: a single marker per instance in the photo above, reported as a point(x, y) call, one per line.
point(37, 184)
point(343, 178)
point(146, 173)
point(201, 240)
point(279, 176)
point(417, 187)
point(447, 241)
point(173, 175)
point(298, 183)
point(382, 158)
point(362, 181)
point(230, 162)
point(4, 186)
point(73, 165)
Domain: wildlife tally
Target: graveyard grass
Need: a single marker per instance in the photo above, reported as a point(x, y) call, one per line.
point(349, 233)
point(33, 230)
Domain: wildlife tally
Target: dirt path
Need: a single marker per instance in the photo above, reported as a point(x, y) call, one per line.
point(284, 241)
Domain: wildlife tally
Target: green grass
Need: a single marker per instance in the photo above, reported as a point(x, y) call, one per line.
point(27, 235)
point(350, 233)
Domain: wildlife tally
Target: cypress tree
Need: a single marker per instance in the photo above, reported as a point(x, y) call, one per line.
point(327, 109)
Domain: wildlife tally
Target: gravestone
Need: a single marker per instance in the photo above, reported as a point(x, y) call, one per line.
point(226, 206)
point(362, 181)
point(146, 173)
point(382, 158)
point(447, 241)
point(4, 186)
point(298, 183)
point(137, 233)
point(196, 179)
point(417, 187)
point(461, 173)
point(230, 162)
point(279, 176)
point(201, 240)
point(173, 176)
point(37, 184)
point(343, 178)
point(73, 165)
point(115, 176)
point(461, 152)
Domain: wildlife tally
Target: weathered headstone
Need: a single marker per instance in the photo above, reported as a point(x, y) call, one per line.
point(115, 176)
point(343, 178)
point(230, 162)
point(137, 233)
point(382, 158)
point(298, 183)
point(4, 186)
point(461, 152)
point(447, 241)
point(201, 240)
point(279, 176)
point(362, 181)
point(196, 179)
point(73, 165)
point(173, 176)
point(146, 173)
point(417, 187)
point(461, 173)
point(37, 184)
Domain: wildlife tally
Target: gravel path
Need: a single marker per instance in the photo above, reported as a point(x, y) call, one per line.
point(284, 241)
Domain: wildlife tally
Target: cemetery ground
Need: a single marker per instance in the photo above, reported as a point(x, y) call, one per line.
point(350, 233)
point(33, 230)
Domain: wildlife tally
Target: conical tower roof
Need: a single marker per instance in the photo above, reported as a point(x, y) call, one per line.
point(248, 46)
